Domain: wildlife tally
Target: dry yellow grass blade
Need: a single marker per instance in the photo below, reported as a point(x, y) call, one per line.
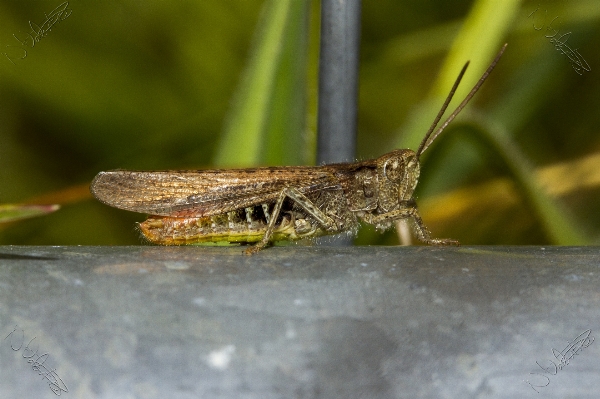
point(487, 208)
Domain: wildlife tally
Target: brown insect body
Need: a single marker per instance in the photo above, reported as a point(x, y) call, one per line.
point(262, 205)
point(198, 206)
point(351, 193)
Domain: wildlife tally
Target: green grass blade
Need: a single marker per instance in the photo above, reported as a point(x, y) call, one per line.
point(267, 105)
point(479, 39)
point(12, 212)
point(560, 228)
point(284, 134)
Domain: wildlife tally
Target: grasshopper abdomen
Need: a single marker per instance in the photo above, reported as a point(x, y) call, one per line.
point(247, 225)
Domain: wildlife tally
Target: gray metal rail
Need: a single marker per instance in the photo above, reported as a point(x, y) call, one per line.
point(338, 86)
point(300, 322)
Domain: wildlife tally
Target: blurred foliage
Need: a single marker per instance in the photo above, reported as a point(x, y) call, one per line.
point(266, 122)
point(189, 84)
point(13, 212)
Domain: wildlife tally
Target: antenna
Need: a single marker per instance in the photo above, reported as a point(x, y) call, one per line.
point(429, 138)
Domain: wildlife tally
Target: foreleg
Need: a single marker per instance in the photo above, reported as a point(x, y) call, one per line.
point(409, 210)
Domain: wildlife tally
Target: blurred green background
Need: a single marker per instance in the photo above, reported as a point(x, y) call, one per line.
point(205, 84)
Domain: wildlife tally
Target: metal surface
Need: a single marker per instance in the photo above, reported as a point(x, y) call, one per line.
point(338, 80)
point(299, 322)
point(338, 86)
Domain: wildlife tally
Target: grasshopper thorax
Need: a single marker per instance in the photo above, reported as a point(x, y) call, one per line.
point(398, 175)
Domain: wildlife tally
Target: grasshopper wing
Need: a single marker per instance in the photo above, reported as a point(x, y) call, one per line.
point(196, 193)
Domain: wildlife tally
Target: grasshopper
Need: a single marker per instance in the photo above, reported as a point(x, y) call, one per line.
point(263, 205)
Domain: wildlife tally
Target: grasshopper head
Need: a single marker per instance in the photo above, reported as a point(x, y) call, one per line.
point(398, 171)
point(398, 175)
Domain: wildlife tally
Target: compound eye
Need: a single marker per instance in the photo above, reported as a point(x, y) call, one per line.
point(393, 170)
